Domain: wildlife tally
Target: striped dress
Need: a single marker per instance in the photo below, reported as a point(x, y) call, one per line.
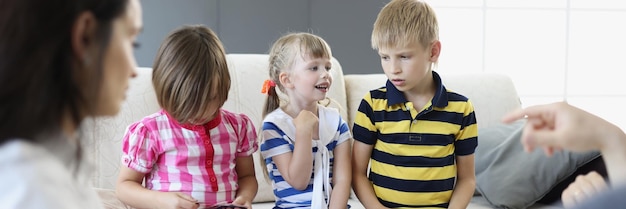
point(276, 142)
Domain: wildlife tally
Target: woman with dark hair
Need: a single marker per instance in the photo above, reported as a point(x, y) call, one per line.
point(60, 62)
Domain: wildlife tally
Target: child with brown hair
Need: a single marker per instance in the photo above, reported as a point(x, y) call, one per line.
point(192, 153)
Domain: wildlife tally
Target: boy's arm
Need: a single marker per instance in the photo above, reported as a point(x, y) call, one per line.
point(130, 191)
point(465, 145)
point(465, 184)
point(247, 181)
point(362, 186)
point(342, 176)
point(365, 137)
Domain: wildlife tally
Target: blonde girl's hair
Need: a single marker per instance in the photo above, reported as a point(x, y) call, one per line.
point(403, 22)
point(281, 57)
point(190, 72)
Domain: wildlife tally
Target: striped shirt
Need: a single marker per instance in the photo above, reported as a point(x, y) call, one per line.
point(276, 142)
point(413, 159)
point(198, 160)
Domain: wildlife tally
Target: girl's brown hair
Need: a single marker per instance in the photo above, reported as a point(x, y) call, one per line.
point(190, 72)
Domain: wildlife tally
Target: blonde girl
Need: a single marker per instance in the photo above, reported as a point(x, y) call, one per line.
point(305, 145)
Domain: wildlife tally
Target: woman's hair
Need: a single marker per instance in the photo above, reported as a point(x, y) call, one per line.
point(190, 72)
point(41, 80)
point(282, 56)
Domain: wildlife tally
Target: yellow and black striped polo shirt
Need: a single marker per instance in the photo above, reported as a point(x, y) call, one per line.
point(413, 160)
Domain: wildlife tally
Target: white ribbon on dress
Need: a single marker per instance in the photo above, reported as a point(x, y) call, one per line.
point(328, 123)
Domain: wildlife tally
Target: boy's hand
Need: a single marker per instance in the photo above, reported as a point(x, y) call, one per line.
point(176, 200)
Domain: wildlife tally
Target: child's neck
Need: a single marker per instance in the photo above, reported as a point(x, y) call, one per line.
point(293, 109)
point(421, 95)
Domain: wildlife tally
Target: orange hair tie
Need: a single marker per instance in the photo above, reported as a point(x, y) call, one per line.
point(266, 86)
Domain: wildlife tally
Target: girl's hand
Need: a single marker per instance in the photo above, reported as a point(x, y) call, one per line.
point(306, 121)
point(583, 188)
point(242, 202)
point(176, 200)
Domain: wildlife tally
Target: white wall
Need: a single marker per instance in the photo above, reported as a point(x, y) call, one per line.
point(554, 50)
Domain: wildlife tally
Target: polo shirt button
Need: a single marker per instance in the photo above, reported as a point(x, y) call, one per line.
point(208, 162)
point(207, 142)
point(213, 179)
point(414, 121)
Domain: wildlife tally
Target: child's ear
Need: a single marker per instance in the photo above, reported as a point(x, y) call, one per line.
point(435, 51)
point(284, 79)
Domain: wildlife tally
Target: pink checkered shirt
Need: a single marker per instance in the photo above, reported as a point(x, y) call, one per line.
point(198, 160)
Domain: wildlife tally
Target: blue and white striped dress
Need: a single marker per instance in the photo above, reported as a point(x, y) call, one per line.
point(276, 142)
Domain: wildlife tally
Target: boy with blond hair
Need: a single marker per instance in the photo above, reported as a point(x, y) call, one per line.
point(417, 136)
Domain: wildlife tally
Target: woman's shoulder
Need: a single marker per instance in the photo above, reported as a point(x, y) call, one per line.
point(21, 155)
point(38, 178)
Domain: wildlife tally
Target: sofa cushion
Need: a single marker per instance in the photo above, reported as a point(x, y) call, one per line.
point(508, 177)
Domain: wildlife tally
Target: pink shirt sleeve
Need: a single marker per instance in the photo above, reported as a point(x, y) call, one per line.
point(248, 143)
point(140, 148)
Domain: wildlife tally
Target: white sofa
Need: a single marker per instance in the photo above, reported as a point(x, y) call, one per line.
point(492, 95)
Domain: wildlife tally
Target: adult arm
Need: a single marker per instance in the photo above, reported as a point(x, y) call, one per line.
point(562, 126)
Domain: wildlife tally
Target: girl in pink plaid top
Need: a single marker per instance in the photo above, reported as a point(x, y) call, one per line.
point(192, 153)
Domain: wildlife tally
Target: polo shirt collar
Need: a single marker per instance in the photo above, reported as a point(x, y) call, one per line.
point(395, 96)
